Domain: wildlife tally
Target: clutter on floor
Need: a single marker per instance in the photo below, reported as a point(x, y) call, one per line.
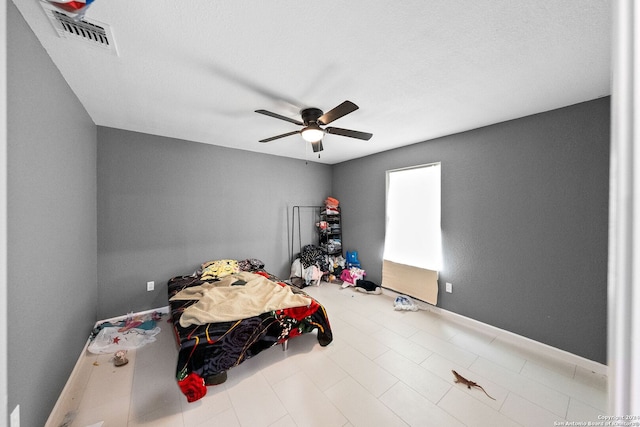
point(307, 269)
point(351, 275)
point(352, 259)
point(403, 302)
point(312, 265)
point(119, 358)
point(131, 333)
point(368, 287)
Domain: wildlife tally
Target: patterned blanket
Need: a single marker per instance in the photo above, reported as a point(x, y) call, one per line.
point(208, 350)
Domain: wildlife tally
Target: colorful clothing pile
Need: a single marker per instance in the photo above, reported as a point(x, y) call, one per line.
point(331, 206)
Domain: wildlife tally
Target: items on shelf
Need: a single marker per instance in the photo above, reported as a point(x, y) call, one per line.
point(331, 206)
point(327, 256)
point(329, 227)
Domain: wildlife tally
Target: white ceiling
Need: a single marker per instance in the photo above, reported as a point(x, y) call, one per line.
point(420, 69)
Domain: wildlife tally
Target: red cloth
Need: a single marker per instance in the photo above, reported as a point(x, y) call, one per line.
point(300, 313)
point(193, 387)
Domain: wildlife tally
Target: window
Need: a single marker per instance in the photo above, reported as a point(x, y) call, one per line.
point(413, 234)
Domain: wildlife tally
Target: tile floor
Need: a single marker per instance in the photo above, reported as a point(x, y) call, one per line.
point(384, 368)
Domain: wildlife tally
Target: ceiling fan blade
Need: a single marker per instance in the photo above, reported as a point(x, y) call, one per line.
point(341, 110)
point(317, 146)
point(279, 136)
point(350, 133)
point(278, 116)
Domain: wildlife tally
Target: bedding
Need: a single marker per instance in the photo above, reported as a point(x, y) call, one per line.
point(219, 322)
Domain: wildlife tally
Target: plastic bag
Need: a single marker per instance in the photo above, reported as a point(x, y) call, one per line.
point(110, 339)
point(403, 302)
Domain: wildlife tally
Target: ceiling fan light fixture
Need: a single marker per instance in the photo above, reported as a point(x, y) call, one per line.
point(312, 133)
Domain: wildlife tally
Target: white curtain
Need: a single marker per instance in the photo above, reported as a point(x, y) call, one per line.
point(413, 233)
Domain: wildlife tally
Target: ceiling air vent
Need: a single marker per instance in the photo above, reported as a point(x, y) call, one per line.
point(91, 32)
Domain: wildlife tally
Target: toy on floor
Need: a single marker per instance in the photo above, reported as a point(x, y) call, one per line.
point(350, 276)
point(119, 358)
point(352, 259)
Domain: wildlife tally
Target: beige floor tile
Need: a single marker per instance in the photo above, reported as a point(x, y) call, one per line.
point(307, 404)
point(472, 412)
point(415, 410)
point(360, 407)
point(384, 368)
point(426, 383)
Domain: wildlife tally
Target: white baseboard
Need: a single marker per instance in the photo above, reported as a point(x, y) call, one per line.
point(60, 409)
point(163, 310)
point(512, 338)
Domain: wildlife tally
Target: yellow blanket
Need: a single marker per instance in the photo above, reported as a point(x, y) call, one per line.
point(221, 302)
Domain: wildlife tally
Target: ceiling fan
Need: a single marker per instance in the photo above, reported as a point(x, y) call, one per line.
point(313, 119)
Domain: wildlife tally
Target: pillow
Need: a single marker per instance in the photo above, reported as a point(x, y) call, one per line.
point(219, 268)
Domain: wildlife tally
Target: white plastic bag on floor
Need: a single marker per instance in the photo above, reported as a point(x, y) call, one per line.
point(109, 340)
point(403, 302)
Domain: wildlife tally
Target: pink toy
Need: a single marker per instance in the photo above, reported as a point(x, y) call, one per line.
point(352, 275)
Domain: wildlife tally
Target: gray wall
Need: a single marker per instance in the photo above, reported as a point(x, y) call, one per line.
point(52, 248)
point(167, 205)
point(524, 222)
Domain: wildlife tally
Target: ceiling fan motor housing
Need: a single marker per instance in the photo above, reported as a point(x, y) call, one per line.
point(310, 115)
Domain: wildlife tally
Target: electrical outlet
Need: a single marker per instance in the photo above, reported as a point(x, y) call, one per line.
point(150, 286)
point(449, 287)
point(14, 419)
